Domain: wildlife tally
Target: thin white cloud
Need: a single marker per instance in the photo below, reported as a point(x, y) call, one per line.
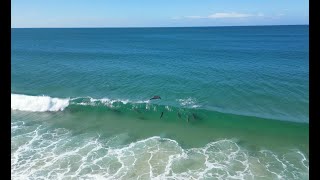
point(228, 15)
point(176, 18)
point(194, 17)
point(223, 15)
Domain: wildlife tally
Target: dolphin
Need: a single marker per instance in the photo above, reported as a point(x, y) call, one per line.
point(161, 115)
point(179, 115)
point(137, 110)
point(116, 111)
point(196, 117)
point(155, 97)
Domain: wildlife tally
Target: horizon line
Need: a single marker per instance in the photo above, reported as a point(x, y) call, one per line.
point(159, 26)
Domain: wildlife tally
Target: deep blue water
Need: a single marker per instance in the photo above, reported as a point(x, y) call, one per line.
point(259, 71)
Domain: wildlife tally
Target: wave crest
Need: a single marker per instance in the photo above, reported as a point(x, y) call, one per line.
point(37, 103)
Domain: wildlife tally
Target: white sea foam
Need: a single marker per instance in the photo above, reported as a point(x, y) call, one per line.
point(37, 103)
point(188, 102)
point(145, 101)
point(108, 102)
point(56, 154)
point(104, 101)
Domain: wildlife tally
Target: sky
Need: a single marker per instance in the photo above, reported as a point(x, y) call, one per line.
point(157, 13)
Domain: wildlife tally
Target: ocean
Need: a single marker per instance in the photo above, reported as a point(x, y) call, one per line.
point(234, 103)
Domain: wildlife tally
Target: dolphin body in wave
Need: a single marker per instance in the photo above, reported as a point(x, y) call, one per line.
point(161, 115)
point(155, 97)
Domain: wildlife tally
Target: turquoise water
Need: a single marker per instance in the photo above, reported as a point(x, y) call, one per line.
point(235, 103)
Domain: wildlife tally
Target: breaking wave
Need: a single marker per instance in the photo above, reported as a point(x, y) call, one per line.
point(184, 107)
point(46, 103)
point(37, 103)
